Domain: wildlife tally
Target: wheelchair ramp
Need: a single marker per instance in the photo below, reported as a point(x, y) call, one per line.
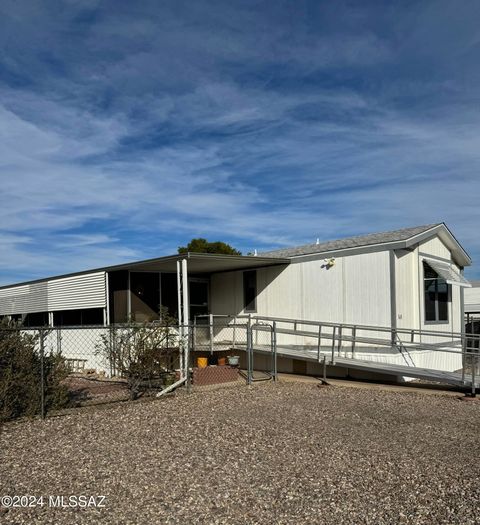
point(307, 354)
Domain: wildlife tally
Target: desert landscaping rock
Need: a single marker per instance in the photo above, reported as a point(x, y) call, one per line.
point(286, 453)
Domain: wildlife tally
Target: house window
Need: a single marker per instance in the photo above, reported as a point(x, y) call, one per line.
point(86, 317)
point(436, 292)
point(36, 319)
point(250, 291)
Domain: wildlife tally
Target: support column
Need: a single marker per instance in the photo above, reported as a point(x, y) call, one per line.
point(180, 317)
point(106, 312)
point(185, 314)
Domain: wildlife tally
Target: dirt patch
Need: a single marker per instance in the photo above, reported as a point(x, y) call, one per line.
point(91, 390)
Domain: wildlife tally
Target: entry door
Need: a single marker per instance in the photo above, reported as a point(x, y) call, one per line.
point(198, 297)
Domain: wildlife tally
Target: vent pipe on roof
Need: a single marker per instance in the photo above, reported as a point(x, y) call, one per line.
point(318, 241)
point(254, 253)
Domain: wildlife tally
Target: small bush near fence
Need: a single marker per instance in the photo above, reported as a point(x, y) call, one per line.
point(146, 355)
point(21, 375)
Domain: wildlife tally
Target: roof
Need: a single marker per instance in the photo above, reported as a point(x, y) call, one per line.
point(402, 238)
point(197, 263)
point(352, 242)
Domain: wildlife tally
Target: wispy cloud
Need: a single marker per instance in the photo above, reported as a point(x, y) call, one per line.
point(126, 129)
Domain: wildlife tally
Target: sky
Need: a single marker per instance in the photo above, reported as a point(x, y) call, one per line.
point(128, 128)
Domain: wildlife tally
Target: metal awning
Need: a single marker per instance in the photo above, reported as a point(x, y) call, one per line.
point(445, 271)
point(202, 263)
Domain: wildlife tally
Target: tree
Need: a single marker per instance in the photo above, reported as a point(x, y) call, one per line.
point(203, 246)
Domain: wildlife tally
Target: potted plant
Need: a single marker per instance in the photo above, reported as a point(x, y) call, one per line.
point(233, 360)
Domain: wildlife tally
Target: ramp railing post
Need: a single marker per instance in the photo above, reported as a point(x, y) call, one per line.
point(464, 356)
point(333, 344)
point(319, 342)
point(354, 339)
point(339, 339)
point(324, 368)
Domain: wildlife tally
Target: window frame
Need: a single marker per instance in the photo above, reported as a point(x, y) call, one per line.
point(437, 280)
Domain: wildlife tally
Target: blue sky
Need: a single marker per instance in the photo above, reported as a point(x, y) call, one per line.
point(127, 128)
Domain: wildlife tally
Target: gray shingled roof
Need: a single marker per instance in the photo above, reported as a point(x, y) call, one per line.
point(350, 242)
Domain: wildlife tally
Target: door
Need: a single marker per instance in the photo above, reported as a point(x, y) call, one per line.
point(198, 297)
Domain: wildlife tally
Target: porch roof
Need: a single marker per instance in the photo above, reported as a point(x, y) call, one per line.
point(197, 263)
point(201, 263)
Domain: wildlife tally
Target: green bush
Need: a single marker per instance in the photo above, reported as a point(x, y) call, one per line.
point(20, 375)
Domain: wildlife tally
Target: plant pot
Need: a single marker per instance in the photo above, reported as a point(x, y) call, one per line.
point(202, 362)
point(233, 360)
point(222, 361)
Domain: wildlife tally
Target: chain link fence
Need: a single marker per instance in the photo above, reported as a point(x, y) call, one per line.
point(44, 370)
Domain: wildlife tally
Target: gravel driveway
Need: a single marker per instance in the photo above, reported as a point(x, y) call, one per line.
point(272, 454)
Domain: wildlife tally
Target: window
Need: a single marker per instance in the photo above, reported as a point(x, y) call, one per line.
point(437, 294)
point(36, 319)
point(250, 291)
point(86, 317)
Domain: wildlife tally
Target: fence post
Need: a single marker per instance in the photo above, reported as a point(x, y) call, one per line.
point(464, 356)
point(249, 354)
point(274, 349)
point(210, 322)
point(473, 362)
point(42, 374)
point(324, 368)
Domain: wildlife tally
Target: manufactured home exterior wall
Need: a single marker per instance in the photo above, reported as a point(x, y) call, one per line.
point(406, 288)
point(436, 249)
point(308, 290)
point(68, 293)
point(356, 290)
point(472, 299)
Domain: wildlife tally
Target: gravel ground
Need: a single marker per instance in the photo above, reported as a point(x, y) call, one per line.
point(273, 453)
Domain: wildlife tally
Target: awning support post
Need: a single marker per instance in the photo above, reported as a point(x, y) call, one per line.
point(185, 315)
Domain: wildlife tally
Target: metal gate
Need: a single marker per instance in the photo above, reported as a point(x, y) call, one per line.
point(261, 335)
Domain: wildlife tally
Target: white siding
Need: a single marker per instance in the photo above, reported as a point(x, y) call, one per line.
point(355, 290)
point(69, 293)
point(407, 295)
point(472, 299)
point(436, 248)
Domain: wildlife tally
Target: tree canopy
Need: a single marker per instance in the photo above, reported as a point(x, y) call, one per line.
point(203, 246)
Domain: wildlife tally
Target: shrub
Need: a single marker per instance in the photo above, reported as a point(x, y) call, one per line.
point(20, 375)
point(143, 353)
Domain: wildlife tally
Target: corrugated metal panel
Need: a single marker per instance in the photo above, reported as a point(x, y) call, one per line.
point(24, 299)
point(73, 293)
point(70, 293)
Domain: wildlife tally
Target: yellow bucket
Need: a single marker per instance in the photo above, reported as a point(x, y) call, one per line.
point(202, 362)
